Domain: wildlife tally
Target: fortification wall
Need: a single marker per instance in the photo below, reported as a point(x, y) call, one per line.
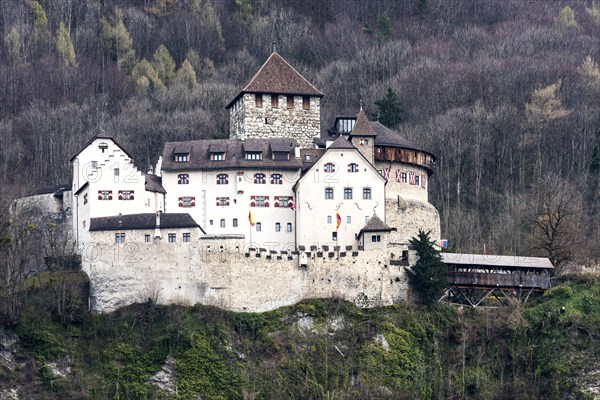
point(222, 273)
point(408, 215)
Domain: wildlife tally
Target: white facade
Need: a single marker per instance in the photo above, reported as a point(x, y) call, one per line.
point(106, 182)
point(342, 182)
point(221, 202)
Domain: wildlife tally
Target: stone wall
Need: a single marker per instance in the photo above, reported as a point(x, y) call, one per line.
point(222, 272)
point(246, 120)
point(408, 215)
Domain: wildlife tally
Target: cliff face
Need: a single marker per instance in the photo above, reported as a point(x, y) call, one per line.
point(547, 349)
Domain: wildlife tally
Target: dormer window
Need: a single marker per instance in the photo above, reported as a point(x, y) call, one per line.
point(253, 155)
point(345, 125)
point(281, 155)
point(103, 146)
point(217, 156)
point(182, 157)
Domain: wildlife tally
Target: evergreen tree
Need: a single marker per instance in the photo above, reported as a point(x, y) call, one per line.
point(566, 18)
point(118, 42)
point(428, 276)
point(164, 65)
point(390, 109)
point(186, 74)
point(64, 46)
point(40, 25)
point(14, 44)
point(145, 76)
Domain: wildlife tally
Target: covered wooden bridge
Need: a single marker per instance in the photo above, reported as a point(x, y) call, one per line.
point(476, 279)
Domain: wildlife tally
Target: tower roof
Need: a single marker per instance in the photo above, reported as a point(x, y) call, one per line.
point(277, 76)
point(341, 143)
point(362, 127)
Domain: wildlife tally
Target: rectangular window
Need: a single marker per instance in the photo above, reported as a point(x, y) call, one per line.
point(258, 227)
point(305, 103)
point(94, 164)
point(328, 193)
point(104, 194)
point(348, 219)
point(274, 101)
point(120, 237)
point(352, 167)
point(260, 179)
point(282, 201)
point(347, 193)
point(329, 167)
point(222, 179)
point(222, 222)
point(116, 170)
point(376, 238)
point(187, 201)
point(417, 180)
point(147, 238)
point(253, 156)
point(186, 237)
point(333, 235)
point(277, 227)
point(260, 201)
point(276, 179)
point(126, 195)
point(290, 101)
point(367, 193)
point(217, 156)
point(235, 223)
point(403, 177)
point(181, 157)
point(258, 98)
point(329, 219)
point(172, 238)
point(289, 226)
point(222, 201)
point(210, 222)
point(183, 179)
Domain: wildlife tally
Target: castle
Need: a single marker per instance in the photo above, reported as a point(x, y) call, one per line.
point(277, 213)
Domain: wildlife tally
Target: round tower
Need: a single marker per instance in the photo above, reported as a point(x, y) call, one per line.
point(407, 168)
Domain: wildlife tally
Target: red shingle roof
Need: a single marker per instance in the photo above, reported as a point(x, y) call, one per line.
point(278, 77)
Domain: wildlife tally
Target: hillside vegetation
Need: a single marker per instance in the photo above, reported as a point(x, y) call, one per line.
point(320, 349)
point(504, 92)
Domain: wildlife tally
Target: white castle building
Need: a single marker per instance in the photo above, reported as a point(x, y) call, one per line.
point(277, 213)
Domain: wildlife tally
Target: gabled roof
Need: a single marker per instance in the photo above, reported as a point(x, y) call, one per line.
point(362, 126)
point(143, 221)
point(277, 76)
point(101, 135)
point(341, 143)
point(235, 157)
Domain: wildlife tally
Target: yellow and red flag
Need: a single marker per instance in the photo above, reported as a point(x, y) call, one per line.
point(338, 219)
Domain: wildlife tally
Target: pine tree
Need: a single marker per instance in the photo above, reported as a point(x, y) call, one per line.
point(144, 75)
point(428, 275)
point(40, 25)
point(390, 109)
point(566, 18)
point(117, 41)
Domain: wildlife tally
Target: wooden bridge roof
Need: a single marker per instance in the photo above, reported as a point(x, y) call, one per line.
point(502, 262)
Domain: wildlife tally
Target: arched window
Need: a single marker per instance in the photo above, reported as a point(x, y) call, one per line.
point(222, 179)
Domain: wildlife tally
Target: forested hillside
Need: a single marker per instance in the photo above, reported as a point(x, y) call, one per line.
point(506, 93)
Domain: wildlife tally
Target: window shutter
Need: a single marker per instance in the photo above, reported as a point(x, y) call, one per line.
point(252, 201)
point(227, 179)
point(120, 195)
point(227, 201)
point(266, 201)
point(272, 180)
point(99, 195)
point(110, 195)
point(255, 178)
point(218, 202)
point(131, 195)
point(424, 181)
point(290, 201)
point(180, 201)
point(193, 202)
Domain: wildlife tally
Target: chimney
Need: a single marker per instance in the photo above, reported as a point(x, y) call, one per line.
point(157, 228)
point(297, 151)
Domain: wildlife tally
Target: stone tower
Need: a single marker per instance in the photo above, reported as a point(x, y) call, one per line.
point(276, 102)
